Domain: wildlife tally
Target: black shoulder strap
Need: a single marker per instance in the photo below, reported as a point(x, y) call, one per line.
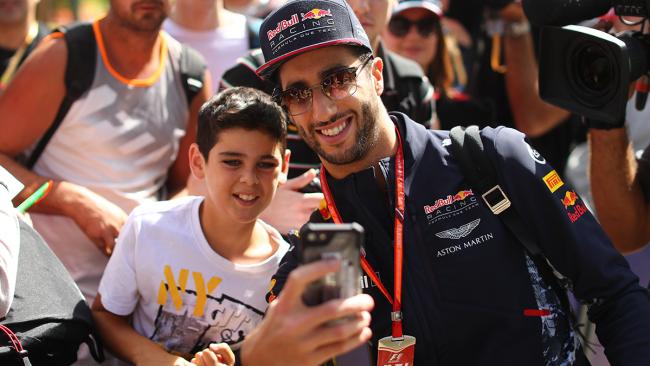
point(192, 70)
point(467, 148)
point(79, 75)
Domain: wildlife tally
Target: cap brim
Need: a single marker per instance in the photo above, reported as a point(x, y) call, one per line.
point(267, 70)
point(418, 4)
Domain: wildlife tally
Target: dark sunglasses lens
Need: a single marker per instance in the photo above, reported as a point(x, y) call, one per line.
point(398, 26)
point(425, 27)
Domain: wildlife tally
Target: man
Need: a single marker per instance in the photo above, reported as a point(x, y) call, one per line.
point(123, 142)
point(468, 293)
point(220, 35)
point(19, 35)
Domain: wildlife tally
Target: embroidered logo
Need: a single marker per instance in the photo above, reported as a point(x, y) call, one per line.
point(535, 155)
point(570, 202)
point(316, 14)
point(459, 232)
point(553, 181)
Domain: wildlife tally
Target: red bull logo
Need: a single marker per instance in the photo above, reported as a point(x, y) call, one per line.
point(316, 14)
point(441, 202)
point(569, 199)
point(324, 211)
point(282, 25)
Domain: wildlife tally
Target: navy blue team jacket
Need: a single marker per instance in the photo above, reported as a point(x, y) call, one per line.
point(468, 287)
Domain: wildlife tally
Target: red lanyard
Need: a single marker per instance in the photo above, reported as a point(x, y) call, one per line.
point(396, 315)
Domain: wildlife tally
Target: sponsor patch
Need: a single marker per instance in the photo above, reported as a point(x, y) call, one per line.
point(468, 244)
point(535, 155)
point(450, 206)
point(553, 181)
point(459, 232)
point(316, 14)
point(574, 209)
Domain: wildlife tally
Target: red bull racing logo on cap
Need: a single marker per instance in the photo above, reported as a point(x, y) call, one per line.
point(574, 208)
point(282, 25)
point(316, 14)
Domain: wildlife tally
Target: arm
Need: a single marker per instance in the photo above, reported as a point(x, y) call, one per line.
point(179, 172)
point(620, 204)
point(127, 344)
point(27, 108)
point(9, 248)
point(292, 334)
point(531, 114)
point(573, 241)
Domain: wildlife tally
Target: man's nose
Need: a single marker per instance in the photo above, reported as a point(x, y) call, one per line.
point(323, 108)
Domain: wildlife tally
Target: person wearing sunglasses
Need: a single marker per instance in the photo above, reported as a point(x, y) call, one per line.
point(415, 31)
point(442, 268)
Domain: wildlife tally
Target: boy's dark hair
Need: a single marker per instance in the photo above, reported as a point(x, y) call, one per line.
point(241, 107)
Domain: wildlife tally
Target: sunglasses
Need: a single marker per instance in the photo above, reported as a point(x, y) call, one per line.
point(335, 86)
point(400, 26)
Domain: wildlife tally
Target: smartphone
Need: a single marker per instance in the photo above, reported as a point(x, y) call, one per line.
point(332, 241)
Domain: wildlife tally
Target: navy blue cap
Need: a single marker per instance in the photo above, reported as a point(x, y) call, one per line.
point(304, 25)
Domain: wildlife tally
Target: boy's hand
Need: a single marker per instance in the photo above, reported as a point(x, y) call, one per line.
point(292, 334)
point(217, 354)
point(290, 209)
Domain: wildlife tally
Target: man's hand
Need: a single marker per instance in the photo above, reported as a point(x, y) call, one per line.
point(290, 209)
point(217, 354)
point(292, 334)
point(100, 219)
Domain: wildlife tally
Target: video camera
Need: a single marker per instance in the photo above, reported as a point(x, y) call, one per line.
point(585, 70)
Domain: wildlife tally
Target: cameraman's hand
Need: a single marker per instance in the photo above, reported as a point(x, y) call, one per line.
point(290, 209)
point(292, 334)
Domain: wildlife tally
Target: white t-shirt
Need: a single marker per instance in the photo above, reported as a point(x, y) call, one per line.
point(183, 295)
point(221, 47)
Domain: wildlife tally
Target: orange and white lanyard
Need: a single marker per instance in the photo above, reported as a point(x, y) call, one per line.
point(396, 315)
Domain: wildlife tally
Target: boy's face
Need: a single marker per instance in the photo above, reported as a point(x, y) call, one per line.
point(242, 173)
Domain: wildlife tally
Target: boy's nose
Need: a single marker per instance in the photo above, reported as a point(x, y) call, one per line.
point(249, 177)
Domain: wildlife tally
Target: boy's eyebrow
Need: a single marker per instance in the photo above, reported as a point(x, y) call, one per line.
point(238, 155)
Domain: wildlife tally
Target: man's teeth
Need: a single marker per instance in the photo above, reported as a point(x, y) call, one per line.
point(246, 197)
point(334, 130)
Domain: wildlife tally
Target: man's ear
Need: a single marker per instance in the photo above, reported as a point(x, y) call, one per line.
point(285, 167)
point(377, 74)
point(197, 162)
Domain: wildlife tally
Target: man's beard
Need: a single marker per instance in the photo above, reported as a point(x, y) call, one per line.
point(366, 139)
point(150, 22)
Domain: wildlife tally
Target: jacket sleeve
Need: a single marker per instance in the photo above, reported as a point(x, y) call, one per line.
point(575, 245)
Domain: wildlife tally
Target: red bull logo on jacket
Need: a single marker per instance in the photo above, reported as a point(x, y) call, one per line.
point(316, 14)
point(441, 202)
point(574, 208)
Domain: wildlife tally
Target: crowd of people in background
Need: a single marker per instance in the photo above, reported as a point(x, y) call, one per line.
point(185, 133)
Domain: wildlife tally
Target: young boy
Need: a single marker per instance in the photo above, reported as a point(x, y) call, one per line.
point(194, 271)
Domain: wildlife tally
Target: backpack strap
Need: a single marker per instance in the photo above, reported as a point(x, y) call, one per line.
point(467, 148)
point(192, 71)
point(79, 75)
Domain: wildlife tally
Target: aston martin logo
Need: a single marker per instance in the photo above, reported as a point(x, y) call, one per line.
point(459, 232)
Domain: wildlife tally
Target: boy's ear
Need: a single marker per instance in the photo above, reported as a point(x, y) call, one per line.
point(197, 162)
point(285, 166)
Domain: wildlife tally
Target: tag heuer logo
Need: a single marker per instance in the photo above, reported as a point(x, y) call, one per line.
point(459, 232)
